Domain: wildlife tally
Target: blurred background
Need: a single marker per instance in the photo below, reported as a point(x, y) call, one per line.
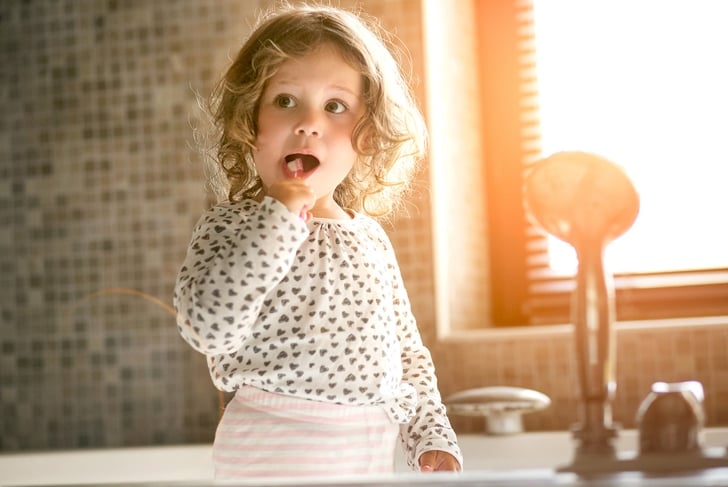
point(101, 182)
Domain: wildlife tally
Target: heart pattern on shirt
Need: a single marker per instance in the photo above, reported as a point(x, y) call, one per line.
point(316, 311)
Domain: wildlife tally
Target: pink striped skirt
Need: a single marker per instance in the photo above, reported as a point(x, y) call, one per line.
point(262, 434)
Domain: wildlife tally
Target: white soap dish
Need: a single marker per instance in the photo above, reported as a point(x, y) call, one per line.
point(502, 406)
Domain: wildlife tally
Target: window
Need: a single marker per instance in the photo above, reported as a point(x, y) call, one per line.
point(642, 83)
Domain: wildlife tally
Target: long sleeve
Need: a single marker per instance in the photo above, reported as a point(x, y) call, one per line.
point(237, 254)
point(429, 428)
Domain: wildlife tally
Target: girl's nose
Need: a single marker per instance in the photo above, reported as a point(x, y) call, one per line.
point(309, 124)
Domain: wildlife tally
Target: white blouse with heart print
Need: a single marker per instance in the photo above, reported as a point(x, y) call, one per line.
point(316, 311)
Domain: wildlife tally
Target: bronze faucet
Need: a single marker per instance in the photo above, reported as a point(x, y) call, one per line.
point(588, 201)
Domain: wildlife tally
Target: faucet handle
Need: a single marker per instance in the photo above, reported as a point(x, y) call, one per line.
point(692, 386)
point(671, 417)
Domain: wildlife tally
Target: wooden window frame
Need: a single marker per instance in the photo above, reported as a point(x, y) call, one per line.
point(517, 249)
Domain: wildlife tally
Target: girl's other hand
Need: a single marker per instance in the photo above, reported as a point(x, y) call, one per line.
point(296, 195)
point(438, 461)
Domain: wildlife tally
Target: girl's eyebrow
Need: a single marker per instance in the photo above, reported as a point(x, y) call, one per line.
point(345, 90)
point(283, 84)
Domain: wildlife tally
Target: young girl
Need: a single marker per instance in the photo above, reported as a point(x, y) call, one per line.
point(290, 288)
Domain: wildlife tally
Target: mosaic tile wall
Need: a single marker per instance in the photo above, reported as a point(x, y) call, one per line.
point(547, 363)
point(99, 189)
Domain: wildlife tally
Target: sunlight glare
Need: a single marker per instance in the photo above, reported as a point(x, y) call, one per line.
point(643, 83)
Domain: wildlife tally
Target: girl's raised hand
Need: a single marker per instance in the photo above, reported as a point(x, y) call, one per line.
point(296, 195)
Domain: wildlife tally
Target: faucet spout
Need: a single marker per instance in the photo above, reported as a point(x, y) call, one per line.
point(593, 317)
point(587, 201)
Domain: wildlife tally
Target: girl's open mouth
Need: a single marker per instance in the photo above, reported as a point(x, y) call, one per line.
point(300, 164)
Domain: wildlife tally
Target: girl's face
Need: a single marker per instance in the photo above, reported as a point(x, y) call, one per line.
point(306, 118)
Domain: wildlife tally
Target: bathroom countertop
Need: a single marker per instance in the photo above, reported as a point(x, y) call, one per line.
point(526, 459)
point(550, 449)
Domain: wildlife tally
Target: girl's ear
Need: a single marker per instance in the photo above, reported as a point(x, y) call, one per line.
point(365, 140)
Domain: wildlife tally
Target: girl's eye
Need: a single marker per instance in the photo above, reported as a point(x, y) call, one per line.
point(335, 107)
point(285, 101)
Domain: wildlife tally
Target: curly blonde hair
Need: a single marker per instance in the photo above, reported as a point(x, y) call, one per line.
point(390, 139)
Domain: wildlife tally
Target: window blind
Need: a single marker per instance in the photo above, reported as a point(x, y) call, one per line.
point(525, 290)
point(511, 144)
